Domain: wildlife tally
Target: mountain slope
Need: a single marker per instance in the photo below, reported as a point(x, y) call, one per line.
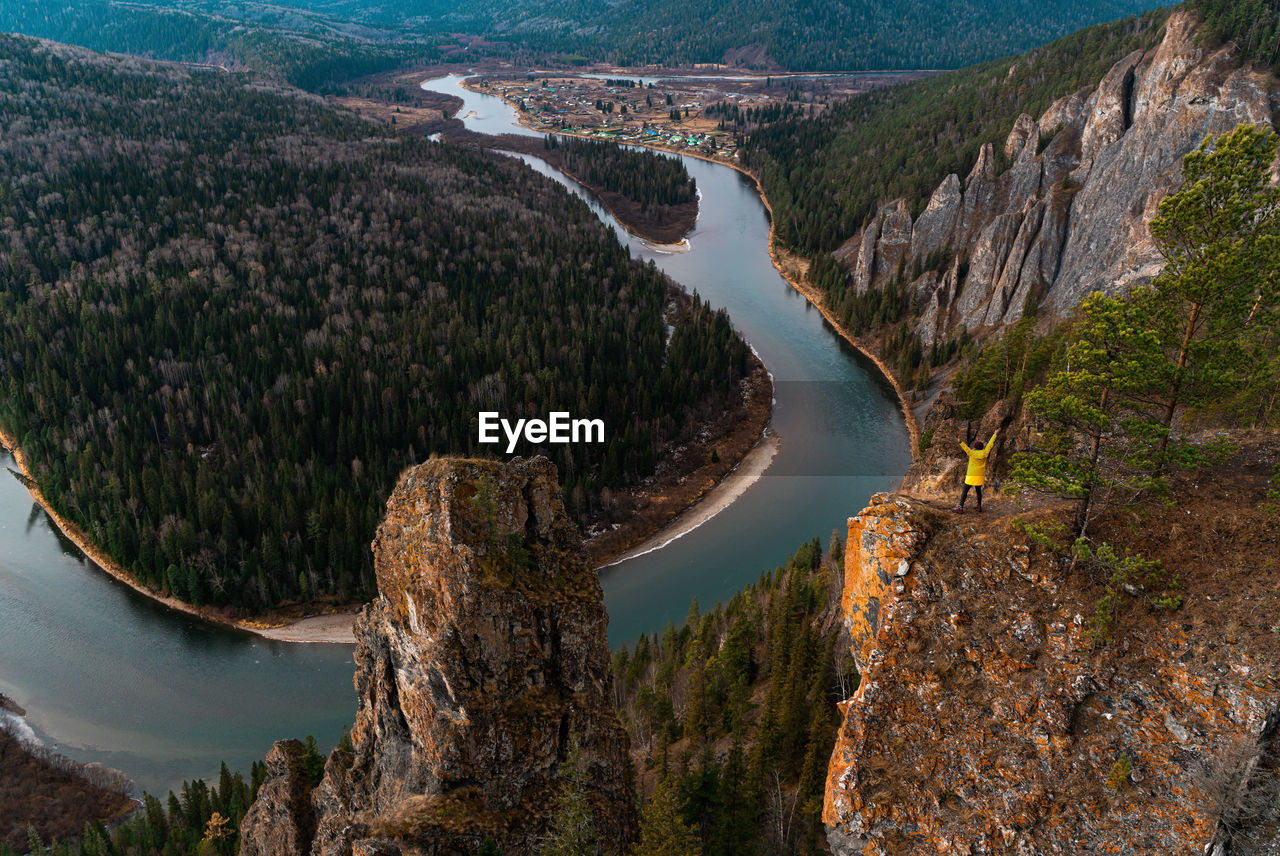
point(309, 50)
point(1062, 208)
point(825, 177)
point(797, 34)
point(811, 35)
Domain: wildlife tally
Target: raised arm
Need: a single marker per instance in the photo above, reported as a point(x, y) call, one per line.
point(992, 441)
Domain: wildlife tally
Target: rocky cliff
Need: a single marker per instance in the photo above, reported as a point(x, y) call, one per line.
point(1063, 209)
point(987, 721)
point(481, 662)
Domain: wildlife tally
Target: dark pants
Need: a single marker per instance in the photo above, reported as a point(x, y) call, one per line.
point(964, 494)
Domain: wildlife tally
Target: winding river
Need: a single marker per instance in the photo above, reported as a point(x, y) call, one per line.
point(107, 675)
point(843, 435)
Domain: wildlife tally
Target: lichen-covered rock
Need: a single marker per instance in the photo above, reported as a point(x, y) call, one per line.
point(1071, 214)
point(985, 720)
point(482, 659)
point(881, 552)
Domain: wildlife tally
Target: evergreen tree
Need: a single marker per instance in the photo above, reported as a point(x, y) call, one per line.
point(572, 831)
point(1096, 435)
point(1220, 237)
point(1132, 362)
point(663, 832)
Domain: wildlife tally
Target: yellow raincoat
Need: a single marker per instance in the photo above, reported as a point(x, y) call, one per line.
point(977, 472)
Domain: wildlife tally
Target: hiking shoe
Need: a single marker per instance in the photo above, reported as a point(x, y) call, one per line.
point(979, 509)
point(959, 509)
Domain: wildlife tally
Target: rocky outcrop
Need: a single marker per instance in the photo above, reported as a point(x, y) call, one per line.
point(1071, 213)
point(986, 721)
point(281, 819)
point(480, 664)
point(882, 249)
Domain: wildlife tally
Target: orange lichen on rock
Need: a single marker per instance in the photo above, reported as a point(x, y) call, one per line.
point(987, 720)
point(878, 555)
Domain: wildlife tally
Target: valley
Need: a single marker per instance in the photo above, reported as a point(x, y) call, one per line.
point(818, 381)
point(276, 300)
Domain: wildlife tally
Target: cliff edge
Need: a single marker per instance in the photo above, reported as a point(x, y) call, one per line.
point(480, 663)
point(988, 721)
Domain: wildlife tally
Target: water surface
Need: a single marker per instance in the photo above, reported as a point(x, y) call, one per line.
point(108, 675)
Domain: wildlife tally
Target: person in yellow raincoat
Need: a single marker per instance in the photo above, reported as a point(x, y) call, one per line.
point(976, 475)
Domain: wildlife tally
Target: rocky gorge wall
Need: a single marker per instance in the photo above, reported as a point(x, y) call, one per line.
point(1070, 213)
point(986, 721)
point(479, 665)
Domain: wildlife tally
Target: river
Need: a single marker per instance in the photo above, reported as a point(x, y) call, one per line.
point(107, 675)
point(111, 676)
point(843, 434)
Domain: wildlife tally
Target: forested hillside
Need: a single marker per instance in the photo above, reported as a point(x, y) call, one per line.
point(824, 177)
point(1254, 25)
point(797, 34)
point(232, 315)
point(310, 51)
point(800, 35)
point(812, 35)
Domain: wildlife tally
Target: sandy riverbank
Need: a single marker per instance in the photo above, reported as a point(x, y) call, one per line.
point(318, 628)
point(324, 628)
point(733, 485)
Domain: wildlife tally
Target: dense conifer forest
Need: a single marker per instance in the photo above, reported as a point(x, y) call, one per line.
point(1254, 25)
point(825, 177)
point(232, 315)
point(644, 176)
point(799, 35)
point(815, 35)
point(735, 711)
point(650, 194)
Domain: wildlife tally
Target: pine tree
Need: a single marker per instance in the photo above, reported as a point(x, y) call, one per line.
point(573, 831)
point(695, 715)
point(663, 832)
point(1097, 424)
point(1220, 237)
point(1133, 362)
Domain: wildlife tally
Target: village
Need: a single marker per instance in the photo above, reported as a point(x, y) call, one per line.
point(703, 115)
point(623, 110)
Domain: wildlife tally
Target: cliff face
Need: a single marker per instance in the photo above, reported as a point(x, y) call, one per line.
point(481, 661)
point(1070, 213)
point(986, 721)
